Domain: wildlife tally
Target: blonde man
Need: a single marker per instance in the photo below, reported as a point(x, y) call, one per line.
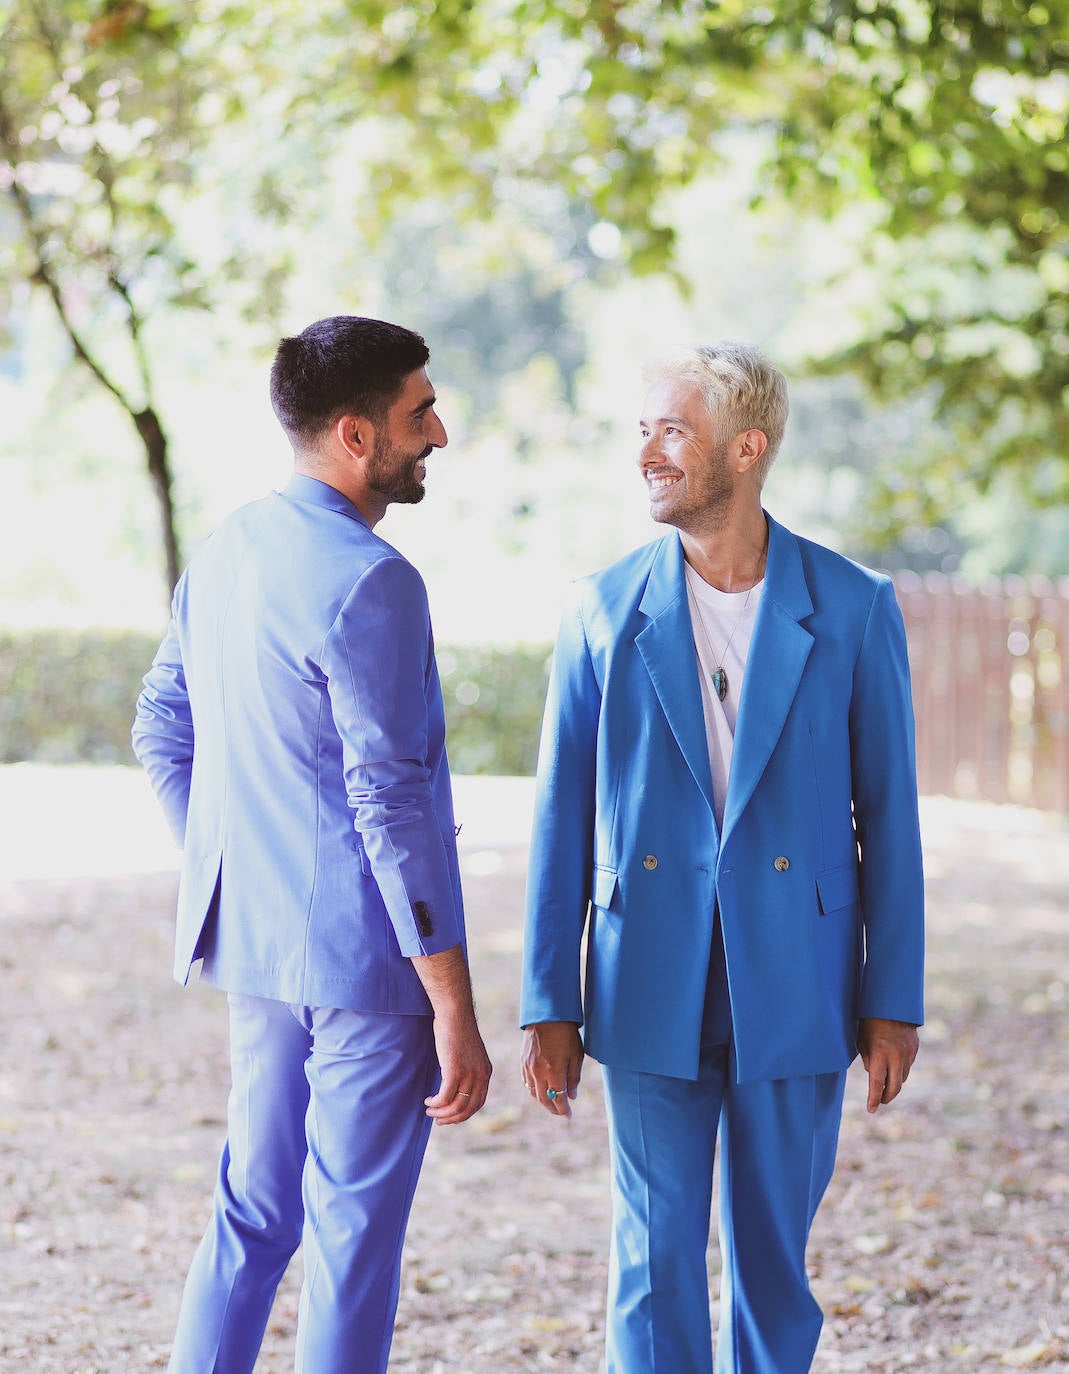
point(727, 809)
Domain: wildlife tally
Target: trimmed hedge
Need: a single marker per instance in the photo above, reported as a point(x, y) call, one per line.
point(67, 696)
point(493, 707)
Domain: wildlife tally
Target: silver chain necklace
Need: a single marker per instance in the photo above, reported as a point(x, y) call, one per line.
point(719, 673)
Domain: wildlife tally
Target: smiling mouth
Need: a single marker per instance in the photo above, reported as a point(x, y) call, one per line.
point(658, 481)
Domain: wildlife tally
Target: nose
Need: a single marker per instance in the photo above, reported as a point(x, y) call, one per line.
point(435, 431)
point(645, 454)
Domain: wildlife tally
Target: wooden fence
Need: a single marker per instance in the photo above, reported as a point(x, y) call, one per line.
point(990, 666)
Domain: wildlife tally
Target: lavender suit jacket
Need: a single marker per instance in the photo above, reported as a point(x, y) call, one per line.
point(292, 727)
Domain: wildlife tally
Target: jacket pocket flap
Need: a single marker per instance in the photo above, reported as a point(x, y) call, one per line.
point(604, 886)
point(837, 888)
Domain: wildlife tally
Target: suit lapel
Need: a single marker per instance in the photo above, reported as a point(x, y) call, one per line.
point(667, 648)
point(778, 653)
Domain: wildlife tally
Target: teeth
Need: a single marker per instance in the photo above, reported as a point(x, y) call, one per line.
point(657, 482)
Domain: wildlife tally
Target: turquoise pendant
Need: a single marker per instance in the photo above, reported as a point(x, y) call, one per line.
point(720, 682)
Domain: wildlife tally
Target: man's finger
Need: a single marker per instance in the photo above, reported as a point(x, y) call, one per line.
point(877, 1082)
point(464, 1103)
point(444, 1095)
point(555, 1096)
point(895, 1079)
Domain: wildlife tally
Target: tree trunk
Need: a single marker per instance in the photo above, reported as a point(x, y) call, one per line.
point(159, 471)
point(146, 420)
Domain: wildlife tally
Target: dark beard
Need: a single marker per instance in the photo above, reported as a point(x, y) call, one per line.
point(395, 478)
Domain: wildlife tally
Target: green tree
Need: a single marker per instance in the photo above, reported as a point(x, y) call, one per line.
point(90, 148)
point(941, 124)
point(106, 114)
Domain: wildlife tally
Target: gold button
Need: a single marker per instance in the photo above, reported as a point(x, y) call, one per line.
point(781, 864)
point(650, 861)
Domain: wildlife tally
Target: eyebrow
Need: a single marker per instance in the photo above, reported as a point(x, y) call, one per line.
point(664, 420)
point(425, 405)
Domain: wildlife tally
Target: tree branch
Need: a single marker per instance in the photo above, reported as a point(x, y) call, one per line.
point(105, 179)
point(134, 319)
point(44, 274)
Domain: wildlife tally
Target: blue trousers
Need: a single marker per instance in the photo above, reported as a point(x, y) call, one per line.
point(777, 1152)
point(326, 1131)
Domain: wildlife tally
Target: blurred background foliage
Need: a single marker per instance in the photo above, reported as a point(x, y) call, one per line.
point(876, 193)
point(66, 694)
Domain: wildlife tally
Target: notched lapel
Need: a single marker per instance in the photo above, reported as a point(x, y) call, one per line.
point(667, 648)
point(778, 653)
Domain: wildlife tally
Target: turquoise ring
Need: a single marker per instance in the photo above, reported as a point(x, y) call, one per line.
point(553, 1094)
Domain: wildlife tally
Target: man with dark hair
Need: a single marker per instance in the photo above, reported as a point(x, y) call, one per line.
point(292, 727)
point(727, 810)
point(339, 364)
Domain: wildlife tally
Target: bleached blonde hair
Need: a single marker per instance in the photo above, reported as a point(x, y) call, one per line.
point(740, 389)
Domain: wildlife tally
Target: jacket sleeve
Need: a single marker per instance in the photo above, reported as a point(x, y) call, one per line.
point(162, 734)
point(562, 843)
point(379, 667)
point(884, 786)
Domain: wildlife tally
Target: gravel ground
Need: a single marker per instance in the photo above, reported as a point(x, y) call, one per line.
point(943, 1244)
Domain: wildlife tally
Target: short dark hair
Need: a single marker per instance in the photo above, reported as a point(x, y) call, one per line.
point(345, 364)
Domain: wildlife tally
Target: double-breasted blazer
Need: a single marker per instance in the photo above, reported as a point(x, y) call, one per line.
point(817, 874)
point(292, 726)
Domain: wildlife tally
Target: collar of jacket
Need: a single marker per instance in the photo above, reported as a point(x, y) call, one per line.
point(785, 583)
point(778, 653)
point(313, 492)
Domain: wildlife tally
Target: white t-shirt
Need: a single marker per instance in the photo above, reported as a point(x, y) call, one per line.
point(722, 624)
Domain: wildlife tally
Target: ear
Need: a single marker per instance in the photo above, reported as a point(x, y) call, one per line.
point(748, 446)
point(356, 435)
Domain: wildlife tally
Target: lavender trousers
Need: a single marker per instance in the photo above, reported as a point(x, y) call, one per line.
point(326, 1131)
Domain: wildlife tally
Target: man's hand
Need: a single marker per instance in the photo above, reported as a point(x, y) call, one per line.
point(466, 1069)
point(553, 1061)
point(888, 1049)
point(465, 1065)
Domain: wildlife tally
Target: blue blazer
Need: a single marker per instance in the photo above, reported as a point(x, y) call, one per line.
point(818, 871)
point(292, 727)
